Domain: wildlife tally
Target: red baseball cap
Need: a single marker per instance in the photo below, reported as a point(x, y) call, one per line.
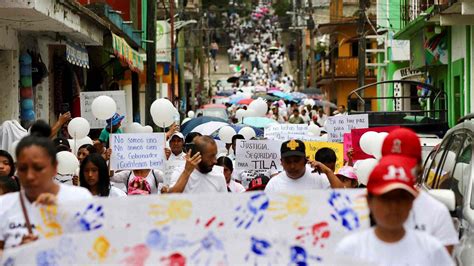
point(393, 172)
point(402, 141)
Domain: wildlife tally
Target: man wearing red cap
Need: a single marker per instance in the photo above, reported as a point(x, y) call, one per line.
point(428, 214)
point(390, 195)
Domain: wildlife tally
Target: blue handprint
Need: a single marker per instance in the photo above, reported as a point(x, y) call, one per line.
point(254, 210)
point(47, 258)
point(90, 219)
point(260, 251)
point(208, 251)
point(163, 240)
point(9, 262)
point(299, 256)
point(342, 206)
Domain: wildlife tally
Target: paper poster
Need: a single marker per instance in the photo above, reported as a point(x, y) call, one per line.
point(336, 126)
point(87, 97)
point(347, 145)
point(259, 155)
point(170, 168)
point(313, 146)
point(300, 228)
point(356, 134)
point(284, 132)
point(137, 151)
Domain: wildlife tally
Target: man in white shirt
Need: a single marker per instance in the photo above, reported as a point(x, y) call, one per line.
point(428, 214)
point(176, 143)
point(296, 175)
point(200, 175)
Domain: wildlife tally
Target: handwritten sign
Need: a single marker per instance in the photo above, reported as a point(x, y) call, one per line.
point(170, 168)
point(284, 132)
point(347, 144)
point(259, 155)
point(313, 146)
point(88, 97)
point(209, 229)
point(137, 151)
point(336, 126)
point(356, 134)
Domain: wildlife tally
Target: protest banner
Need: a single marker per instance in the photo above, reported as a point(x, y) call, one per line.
point(313, 146)
point(336, 126)
point(258, 155)
point(284, 132)
point(137, 151)
point(347, 145)
point(300, 228)
point(356, 134)
point(87, 97)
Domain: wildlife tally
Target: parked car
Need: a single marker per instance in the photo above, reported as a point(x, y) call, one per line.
point(448, 175)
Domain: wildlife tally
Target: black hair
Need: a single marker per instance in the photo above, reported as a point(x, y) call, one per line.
point(325, 155)
point(88, 147)
point(41, 129)
point(9, 157)
point(34, 140)
point(8, 184)
point(236, 137)
point(104, 178)
point(191, 136)
point(225, 161)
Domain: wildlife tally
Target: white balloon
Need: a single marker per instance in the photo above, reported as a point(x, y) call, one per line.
point(103, 107)
point(250, 113)
point(240, 114)
point(133, 128)
point(147, 129)
point(75, 144)
point(191, 114)
point(67, 163)
point(313, 128)
point(12, 149)
point(366, 142)
point(78, 128)
point(363, 168)
point(377, 146)
point(247, 132)
point(163, 112)
point(226, 133)
point(259, 106)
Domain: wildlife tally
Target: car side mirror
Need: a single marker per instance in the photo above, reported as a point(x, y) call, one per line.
point(445, 196)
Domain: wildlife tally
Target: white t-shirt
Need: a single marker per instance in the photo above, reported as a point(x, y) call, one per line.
point(282, 183)
point(415, 248)
point(116, 192)
point(179, 157)
point(235, 187)
point(198, 182)
point(12, 221)
point(154, 178)
point(431, 216)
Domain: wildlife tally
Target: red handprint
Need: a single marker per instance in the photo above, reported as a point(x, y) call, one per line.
point(317, 231)
point(175, 259)
point(139, 255)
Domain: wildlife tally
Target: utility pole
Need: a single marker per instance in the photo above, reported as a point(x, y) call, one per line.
point(208, 51)
point(173, 60)
point(312, 74)
point(150, 93)
point(362, 44)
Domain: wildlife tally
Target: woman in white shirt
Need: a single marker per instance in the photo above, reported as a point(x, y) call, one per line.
point(36, 168)
point(232, 186)
point(94, 176)
point(128, 178)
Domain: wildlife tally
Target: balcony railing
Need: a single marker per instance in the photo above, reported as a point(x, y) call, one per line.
point(345, 67)
point(411, 9)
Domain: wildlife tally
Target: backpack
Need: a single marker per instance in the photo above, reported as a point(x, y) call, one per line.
point(135, 191)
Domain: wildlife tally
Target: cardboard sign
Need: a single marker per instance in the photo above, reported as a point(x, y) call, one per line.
point(356, 134)
point(137, 151)
point(284, 132)
point(336, 126)
point(87, 97)
point(312, 147)
point(259, 155)
point(347, 145)
point(294, 228)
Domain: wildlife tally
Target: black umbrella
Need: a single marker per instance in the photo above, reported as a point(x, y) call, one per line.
point(232, 79)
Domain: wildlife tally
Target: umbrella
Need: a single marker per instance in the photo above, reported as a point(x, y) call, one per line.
point(273, 48)
point(208, 128)
point(224, 93)
point(245, 101)
point(234, 99)
point(259, 122)
point(298, 95)
point(267, 97)
point(187, 127)
point(233, 79)
point(325, 103)
point(282, 95)
point(213, 106)
point(245, 78)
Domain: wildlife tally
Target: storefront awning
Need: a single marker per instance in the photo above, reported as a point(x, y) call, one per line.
point(414, 26)
point(76, 54)
point(127, 54)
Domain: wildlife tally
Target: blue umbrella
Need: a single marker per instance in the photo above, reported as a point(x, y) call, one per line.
point(234, 99)
point(259, 122)
point(282, 95)
point(187, 127)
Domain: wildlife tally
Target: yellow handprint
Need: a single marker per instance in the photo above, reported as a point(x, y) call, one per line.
point(100, 249)
point(174, 210)
point(294, 205)
point(49, 217)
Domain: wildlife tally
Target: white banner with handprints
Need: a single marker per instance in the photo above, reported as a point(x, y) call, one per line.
point(217, 229)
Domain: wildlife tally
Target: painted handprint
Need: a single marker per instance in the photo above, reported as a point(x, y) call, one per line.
point(299, 256)
point(292, 205)
point(137, 255)
point(261, 252)
point(50, 222)
point(62, 254)
point(252, 212)
point(163, 240)
point(174, 259)
point(343, 210)
point(210, 251)
point(317, 232)
point(90, 219)
point(47, 258)
point(173, 211)
point(101, 249)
